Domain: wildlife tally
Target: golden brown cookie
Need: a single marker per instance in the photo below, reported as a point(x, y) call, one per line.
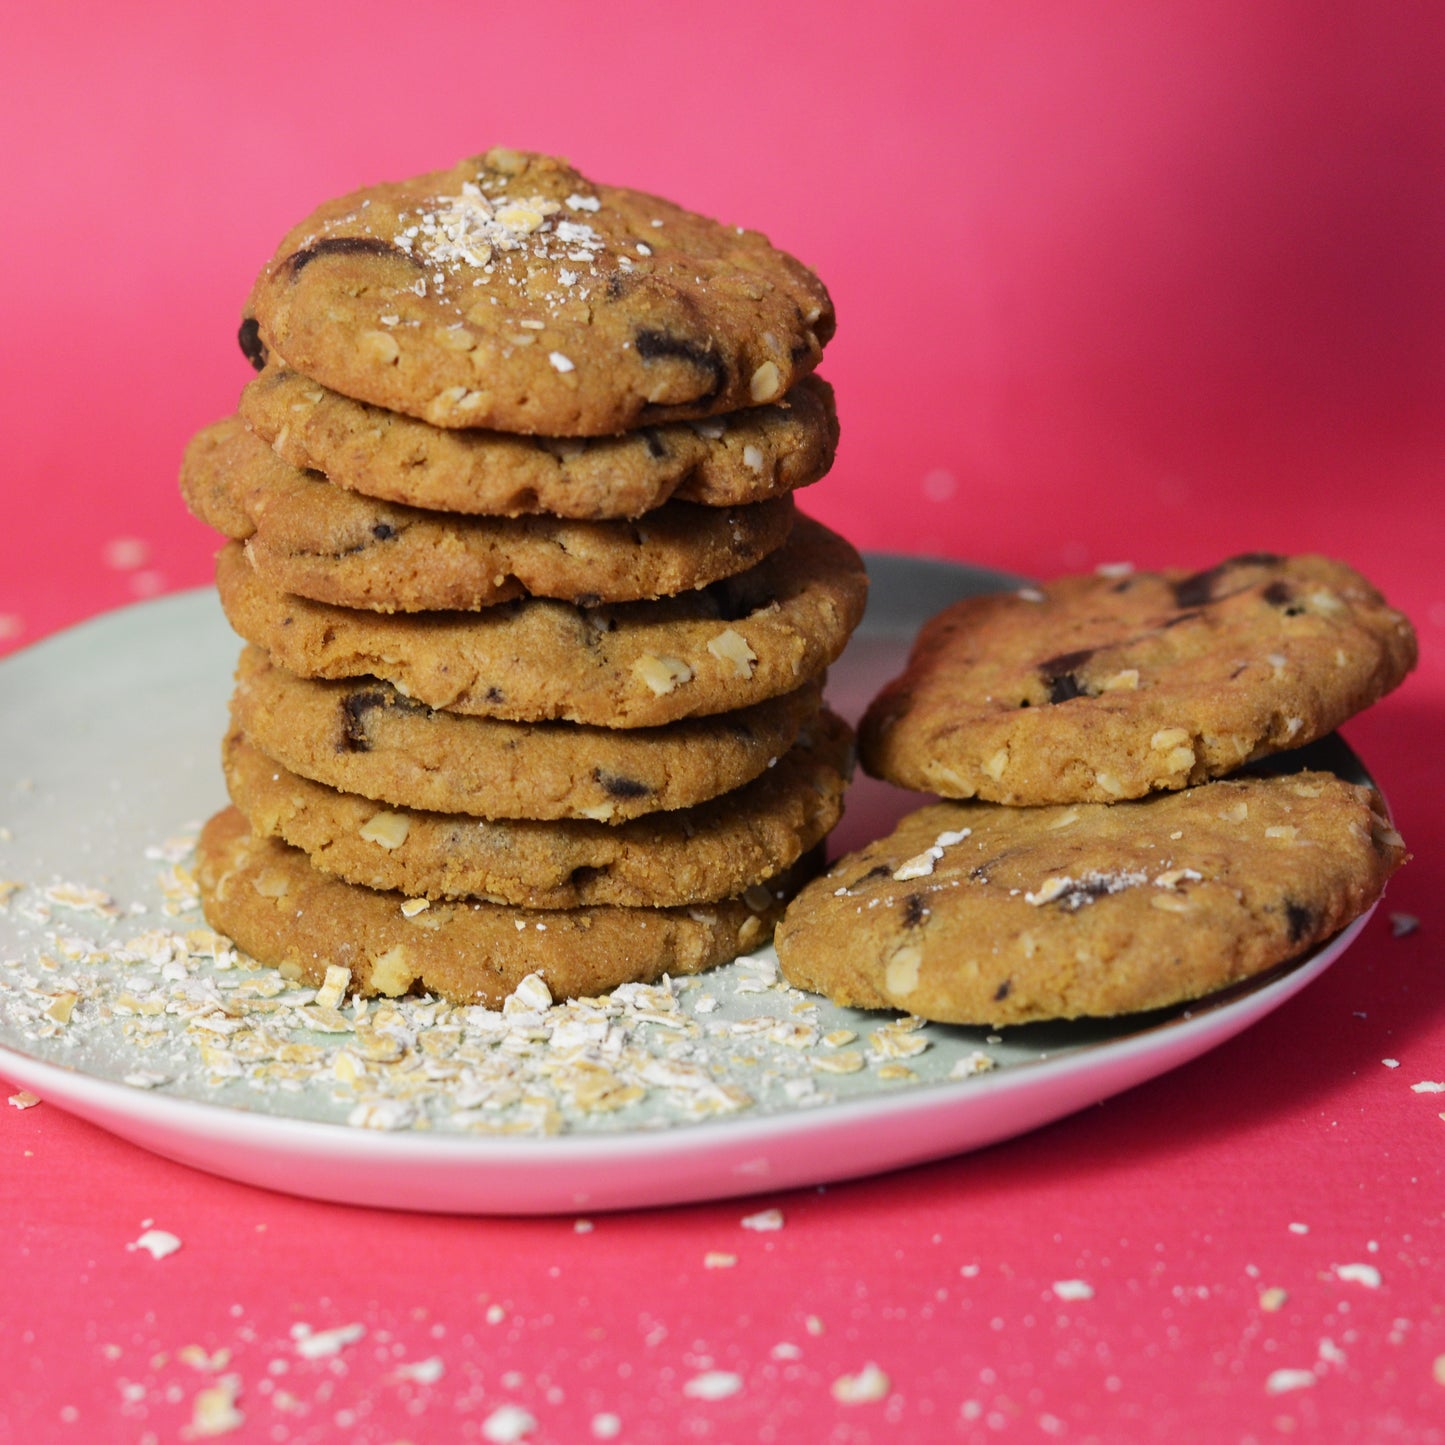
point(305, 536)
point(276, 907)
point(1105, 687)
point(762, 633)
point(362, 736)
point(714, 850)
point(511, 292)
point(972, 913)
point(724, 461)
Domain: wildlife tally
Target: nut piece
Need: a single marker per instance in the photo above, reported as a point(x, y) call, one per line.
point(391, 973)
point(386, 830)
point(731, 646)
point(661, 674)
point(766, 382)
point(379, 346)
point(901, 975)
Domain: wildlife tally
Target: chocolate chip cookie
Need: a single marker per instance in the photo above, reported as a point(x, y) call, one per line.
point(280, 910)
point(695, 855)
point(723, 461)
point(511, 292)
point(1099, 688)
point(362, 736)
point(972, 913)
point(765, 632)
point(305, 536)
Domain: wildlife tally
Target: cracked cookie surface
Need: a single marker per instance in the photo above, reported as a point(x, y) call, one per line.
point(511, 292)
point(275, 906)
point(695, 855)
point(362, 736)
point(724, 461)
point(765, 632)
point(972, 913)
point(310, 538)
point(1099, 687)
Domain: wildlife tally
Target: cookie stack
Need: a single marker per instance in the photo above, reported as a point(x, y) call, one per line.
point(535, 636)
point(1119, 860)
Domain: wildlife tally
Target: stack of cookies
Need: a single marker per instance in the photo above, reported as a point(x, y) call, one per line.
point(1118, 855)
point(535, 636)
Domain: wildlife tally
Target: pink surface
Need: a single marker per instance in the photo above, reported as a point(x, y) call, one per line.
point(1149, 282)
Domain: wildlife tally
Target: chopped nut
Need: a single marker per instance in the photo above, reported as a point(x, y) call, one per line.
point(1110, 784)
point(1125, 681)
point(995, 765)
point(385, 829)
point(1283, 831)
point(661, 674)
point(753, 459)
point(391, 972)
point(412, 906)
point(766, 382)
point(732, 647)
point(379, 346)
point(901, 976)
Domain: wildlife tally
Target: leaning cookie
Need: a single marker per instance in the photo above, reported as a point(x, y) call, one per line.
point(724, 461)
point(971, 913)
point(305, 536)
point(1104, 687)
point(362, 736)
point(277, 908)
point(512, 292)
point(695, 855)
point(765, 632)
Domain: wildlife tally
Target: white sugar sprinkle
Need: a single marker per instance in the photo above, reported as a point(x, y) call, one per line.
point(1073, 1289)
point(562, 363)
point(1281, 1382)
point(158, 1243)
point(713, 1385)
point(764, 1220)
point(1365, 1274)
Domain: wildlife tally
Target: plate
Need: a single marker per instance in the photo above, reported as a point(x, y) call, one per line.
point(719, 1086)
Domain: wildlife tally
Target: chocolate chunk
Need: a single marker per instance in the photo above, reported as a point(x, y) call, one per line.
point(1198, 590)
point(617, 786)
point(915, 910)
point(1059, 673)
point(341, 246)
point(383, 532)
point(655, 446)
point(881, 871)
point(354, 709)
point(495, 694)
point(252, 347)
point(657, 345)
point(1299, 919)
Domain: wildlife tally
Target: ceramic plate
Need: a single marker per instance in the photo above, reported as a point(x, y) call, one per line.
point(110, 738)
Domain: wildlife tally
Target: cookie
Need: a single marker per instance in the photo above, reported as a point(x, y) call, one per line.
point(511, 292)
point(764, 632)
point(305, 536)
point(695, 855)
point(971, 913)
point(725, 461)
point(269, 900)
point(1106, 687)
point(362, 736)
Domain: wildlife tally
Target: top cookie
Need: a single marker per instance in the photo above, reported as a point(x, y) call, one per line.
point(1108, 687)
point(511, 292)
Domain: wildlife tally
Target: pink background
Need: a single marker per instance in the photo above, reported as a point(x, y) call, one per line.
point(1148, 282)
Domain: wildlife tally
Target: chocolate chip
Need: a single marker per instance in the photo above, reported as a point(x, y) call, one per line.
point(252, 347)
point(1059, 674)
point(354, 709)
point(495, 694)
point(341, 246)
point(656, 449)
point(1003, 990)
point(881, 871)
point(658, 345)
point(1299, 919)
point(383, 532)
point(915, 910)
point(619, 787)
point(1198, 590)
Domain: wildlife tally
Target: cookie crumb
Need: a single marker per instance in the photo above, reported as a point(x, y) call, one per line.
point(764, 1221)
point(24, 1099)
